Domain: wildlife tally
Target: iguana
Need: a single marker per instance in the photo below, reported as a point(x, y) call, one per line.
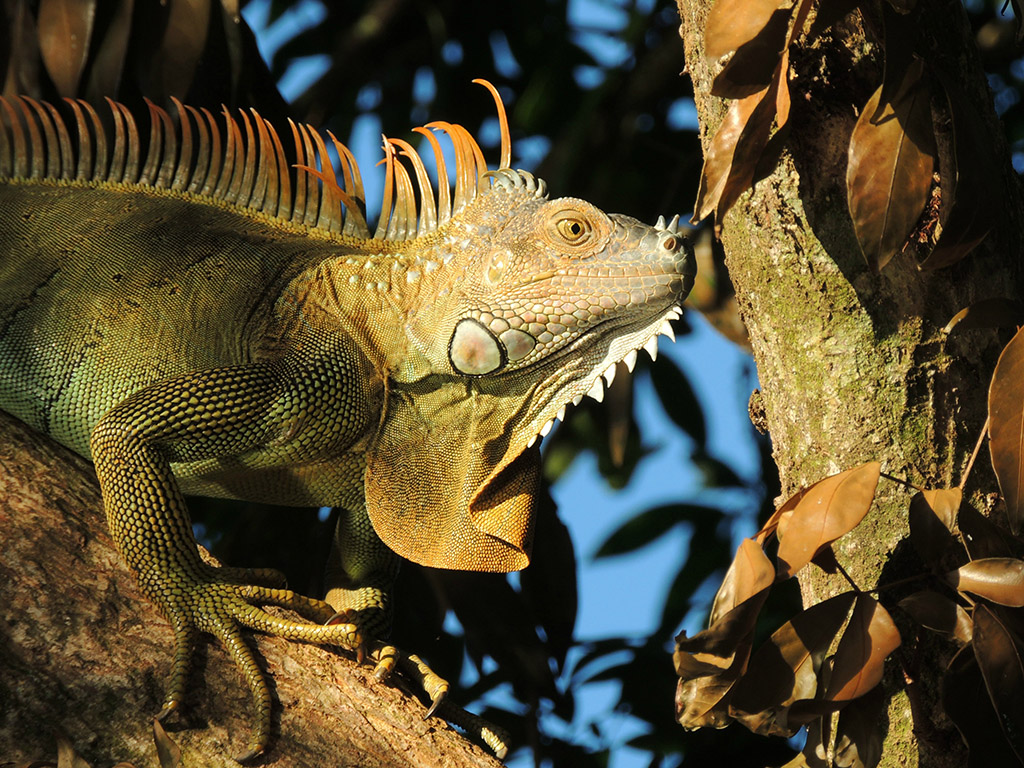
point(209, 320)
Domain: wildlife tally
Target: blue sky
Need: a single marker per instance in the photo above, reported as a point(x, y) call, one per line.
point(621, 596)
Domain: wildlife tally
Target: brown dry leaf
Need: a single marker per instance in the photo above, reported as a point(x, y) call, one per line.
point(732, 157)
point(722, 647)
point(700, 702)
point(828, 509)
point(749, 573)
point(825, 559)
point(1006, 428)
point(899, 36)
point(988, 313)
point(785, 669)
point(173, 64)
point(65, 28)
point(938, 613)
point(861, 731)
point(751, 67)
point(999, 579)
point(785, 511)
point(109, 56)
point(734, 23)
point(830, 12)
point(981, 536)
point(709, 663)
point(967, 204)
point(815, 751)
point(718, 159)
point(889, 171)
point(998, 652)
point(167, 751)
point(803, 8)
point(932, 516)
point(868, 639)
point(800, 761)
point(965, 700)
point(21, 44)
point(67, 756)
point(1018, 17)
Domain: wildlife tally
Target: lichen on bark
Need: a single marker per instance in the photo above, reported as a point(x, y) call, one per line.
point(853, 365)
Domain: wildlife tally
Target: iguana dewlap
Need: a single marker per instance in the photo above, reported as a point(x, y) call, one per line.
point(205, 320)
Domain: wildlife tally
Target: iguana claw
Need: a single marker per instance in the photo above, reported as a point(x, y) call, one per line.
point(432, 709)
point(245, 757)
point(168, 709)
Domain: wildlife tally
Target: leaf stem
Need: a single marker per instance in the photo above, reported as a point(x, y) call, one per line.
point(899, 582)
point(900, 481)
point(974, 455)
point(849, 578)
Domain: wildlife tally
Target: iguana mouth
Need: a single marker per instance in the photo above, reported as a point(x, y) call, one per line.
point(603, 377)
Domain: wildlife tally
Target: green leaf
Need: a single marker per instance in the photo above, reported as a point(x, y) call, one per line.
point(678, 398)
point(644, 528)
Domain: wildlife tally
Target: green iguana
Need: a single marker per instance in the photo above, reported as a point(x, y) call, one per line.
point(206, 320)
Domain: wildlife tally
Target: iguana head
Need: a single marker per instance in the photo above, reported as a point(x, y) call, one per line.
point(539, 298)
point(519, 307)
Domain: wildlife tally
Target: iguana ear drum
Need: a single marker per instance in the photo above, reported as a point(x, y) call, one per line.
point(474, 351)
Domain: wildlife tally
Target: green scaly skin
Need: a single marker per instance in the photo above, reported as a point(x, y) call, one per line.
point(187, 345)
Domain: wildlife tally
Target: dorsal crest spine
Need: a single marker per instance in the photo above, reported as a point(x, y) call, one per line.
point(242, 162)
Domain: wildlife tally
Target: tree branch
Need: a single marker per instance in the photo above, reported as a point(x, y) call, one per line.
point(84, 654)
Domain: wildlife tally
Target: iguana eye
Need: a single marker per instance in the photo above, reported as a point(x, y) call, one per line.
point(573, 229)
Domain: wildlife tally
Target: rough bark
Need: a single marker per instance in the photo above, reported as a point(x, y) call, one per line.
point(84, 655)
point(853, 365)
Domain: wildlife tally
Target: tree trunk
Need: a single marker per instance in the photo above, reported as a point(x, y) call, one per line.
point(853, 365)
point(85, 655)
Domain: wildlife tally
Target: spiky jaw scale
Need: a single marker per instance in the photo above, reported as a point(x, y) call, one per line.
point(624, 348)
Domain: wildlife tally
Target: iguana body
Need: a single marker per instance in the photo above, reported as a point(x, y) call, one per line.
point(213, 325)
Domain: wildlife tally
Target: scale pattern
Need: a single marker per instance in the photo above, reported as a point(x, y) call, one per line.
point(212, 315)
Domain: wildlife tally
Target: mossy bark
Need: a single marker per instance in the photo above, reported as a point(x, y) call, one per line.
point(854, 365)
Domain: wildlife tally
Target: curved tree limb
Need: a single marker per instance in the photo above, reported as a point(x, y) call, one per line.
point(83, 654)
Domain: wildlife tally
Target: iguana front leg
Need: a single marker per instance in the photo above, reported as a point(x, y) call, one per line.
point(246, 415)
point(360, 571)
